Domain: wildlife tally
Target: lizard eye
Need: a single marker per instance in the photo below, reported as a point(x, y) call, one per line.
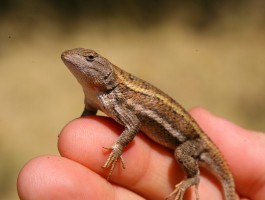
point(90, 58)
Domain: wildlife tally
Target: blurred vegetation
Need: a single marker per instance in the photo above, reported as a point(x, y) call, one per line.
point(207, 53)
point(196, 14)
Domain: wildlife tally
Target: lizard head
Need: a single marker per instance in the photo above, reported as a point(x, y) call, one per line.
point(89, 68)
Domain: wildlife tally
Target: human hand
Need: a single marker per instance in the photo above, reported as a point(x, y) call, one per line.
point(151, 171)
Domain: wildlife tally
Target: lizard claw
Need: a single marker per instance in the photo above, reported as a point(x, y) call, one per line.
point(113, 158)
point(178, 193)
point(180, 188)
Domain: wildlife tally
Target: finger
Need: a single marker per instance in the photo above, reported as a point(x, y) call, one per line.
point(53, 177)
point(243, 149)
point(151, 170)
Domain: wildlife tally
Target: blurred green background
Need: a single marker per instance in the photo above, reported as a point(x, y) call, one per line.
point(203, 53)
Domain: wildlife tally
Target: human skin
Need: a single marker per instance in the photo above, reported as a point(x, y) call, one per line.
point(151, 171)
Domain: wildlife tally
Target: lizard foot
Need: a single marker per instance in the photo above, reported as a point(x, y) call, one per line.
point(113, 158)
point(181, 188)
point(178, 193)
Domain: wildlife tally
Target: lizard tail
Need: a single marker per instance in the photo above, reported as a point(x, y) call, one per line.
point(215, 163)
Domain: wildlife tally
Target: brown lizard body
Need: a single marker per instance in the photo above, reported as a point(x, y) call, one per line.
point(138, 105)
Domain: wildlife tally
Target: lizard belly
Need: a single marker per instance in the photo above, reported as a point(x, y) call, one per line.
point(159, 133)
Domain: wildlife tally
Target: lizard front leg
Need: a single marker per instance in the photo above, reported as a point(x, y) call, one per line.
point(88, 111)
point(132, 126)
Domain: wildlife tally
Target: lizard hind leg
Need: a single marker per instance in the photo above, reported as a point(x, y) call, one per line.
point(187, 156)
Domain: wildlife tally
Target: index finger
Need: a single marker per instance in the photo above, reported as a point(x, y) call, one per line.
point(151, 170)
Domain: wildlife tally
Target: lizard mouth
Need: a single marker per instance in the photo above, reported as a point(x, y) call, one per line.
point(65, 57)
point(69, 54)
point(72, 59)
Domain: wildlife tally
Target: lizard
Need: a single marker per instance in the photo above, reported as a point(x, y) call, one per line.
point(140, 106)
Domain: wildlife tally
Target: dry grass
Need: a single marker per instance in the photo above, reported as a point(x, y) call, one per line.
point(221, 70)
